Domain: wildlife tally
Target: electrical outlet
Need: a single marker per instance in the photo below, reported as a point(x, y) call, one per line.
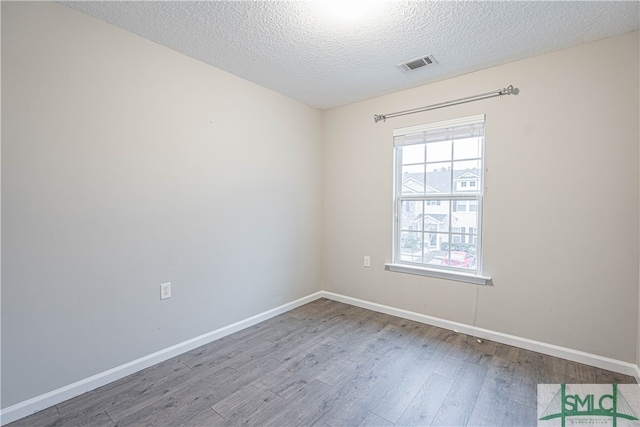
point(165, 290)
point(367, 261)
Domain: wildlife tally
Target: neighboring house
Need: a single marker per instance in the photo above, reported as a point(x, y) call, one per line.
point(438, 181)
point(435, 217)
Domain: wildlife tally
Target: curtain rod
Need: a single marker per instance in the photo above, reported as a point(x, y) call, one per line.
point(505, 91)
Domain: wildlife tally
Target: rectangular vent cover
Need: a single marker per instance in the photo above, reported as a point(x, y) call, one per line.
point(414, 64)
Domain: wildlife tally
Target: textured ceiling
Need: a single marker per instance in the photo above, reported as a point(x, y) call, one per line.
point(302, 50)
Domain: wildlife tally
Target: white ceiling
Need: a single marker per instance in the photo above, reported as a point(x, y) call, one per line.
point(302, 50)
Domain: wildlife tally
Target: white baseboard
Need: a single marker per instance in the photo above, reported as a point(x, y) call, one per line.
point(38, 403)
point(527, 344)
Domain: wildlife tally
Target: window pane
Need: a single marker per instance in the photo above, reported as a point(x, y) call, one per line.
point(411, 246)
point(464, 222)
point(412, 217)
point(413, 154)
point(431, 249)
point(412, 179)
point(459, 206)
point(468, 148)
point(467, 172)
point(434, 255)
point(473, 238)
point(436, 216)
point(438, 151)
point(439, 178)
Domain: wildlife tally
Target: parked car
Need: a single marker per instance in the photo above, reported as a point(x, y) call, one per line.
point(460, 259)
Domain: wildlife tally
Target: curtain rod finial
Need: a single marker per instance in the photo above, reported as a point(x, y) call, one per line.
point(377, 118)
point(508, 90)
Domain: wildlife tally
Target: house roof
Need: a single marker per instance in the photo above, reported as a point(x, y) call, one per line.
point(439, 218)
point(438, 180)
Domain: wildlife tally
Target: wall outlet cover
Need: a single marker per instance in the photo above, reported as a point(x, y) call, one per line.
point(165, 290)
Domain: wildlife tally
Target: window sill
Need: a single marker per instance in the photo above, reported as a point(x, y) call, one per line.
point(457, 276)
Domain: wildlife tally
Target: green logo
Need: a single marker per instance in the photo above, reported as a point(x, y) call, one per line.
point(564, 405)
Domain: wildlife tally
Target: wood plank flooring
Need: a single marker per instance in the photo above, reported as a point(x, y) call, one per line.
point(330, 364)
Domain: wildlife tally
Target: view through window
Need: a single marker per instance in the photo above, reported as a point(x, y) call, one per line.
point(438, 194)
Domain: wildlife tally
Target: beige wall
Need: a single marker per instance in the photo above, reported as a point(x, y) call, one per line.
point(126, 165)
point(561, 209)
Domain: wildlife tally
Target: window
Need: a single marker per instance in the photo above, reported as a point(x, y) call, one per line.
point(473, 233)
point(438, 222)
point(459, 206)
point(456, 238)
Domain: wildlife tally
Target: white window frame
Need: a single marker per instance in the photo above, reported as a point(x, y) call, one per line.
point(476, 193)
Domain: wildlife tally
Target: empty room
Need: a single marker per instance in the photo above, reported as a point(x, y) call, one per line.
point(320, 213)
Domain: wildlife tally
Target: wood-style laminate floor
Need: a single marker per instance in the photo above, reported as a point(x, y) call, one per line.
point(330, 364)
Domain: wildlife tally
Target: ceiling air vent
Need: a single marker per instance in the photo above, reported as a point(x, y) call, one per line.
point(414, 64)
